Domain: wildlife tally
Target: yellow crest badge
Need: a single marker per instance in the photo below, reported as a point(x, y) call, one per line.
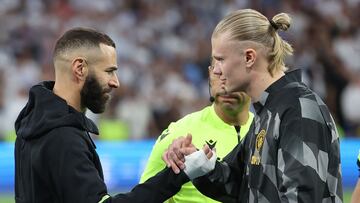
point(260, 138)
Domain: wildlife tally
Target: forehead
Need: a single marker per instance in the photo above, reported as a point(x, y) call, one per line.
point(222, 44)
point(107, 51)
point(106, 55)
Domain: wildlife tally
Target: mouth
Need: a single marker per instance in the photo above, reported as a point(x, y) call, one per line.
point(107, 94)
point(227, 96)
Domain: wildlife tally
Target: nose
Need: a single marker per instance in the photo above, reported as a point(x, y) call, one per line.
point(216, 70)
point(114, 81)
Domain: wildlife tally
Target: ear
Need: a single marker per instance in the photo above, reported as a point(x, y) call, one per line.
point(79, 68)
point(250, 57)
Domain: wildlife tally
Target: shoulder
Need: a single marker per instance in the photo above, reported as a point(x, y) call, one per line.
point(182, 126)
point(189, 121)
point(66, 138)
point(300, 102)
point(194, 117)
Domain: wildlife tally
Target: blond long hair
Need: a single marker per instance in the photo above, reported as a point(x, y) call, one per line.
point(250, 25)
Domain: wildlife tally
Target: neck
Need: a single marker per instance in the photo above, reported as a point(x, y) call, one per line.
point(261, 82)
point(233, 117)
point(72, 98)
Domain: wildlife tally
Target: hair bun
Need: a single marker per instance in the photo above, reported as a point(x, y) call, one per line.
point(281, 21)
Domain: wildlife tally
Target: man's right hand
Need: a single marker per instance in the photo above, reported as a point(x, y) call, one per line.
point(174, 156)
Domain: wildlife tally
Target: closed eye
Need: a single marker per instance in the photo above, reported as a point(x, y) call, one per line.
point(111, 70)
point(217, 58)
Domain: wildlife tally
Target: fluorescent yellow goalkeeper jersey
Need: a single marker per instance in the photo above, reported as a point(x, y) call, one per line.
point(205, 127)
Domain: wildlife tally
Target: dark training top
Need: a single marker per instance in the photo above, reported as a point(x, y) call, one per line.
point(56, 161)
point(290, 154)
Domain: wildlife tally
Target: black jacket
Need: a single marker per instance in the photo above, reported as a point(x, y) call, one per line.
point(290, 154)
point(56, 160)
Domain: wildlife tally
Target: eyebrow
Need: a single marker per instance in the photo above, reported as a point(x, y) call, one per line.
point(217, 57)
point(112, 68)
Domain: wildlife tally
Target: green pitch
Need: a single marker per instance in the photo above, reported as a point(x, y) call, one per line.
point(9, 198)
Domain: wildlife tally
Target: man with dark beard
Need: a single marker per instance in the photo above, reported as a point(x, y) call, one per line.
point(55, 158)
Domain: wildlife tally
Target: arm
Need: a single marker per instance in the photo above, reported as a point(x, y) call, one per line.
point(221, 183)
point(157, 189)
point(224, 182)
point(308, 157)
point(356, 194)
point(76, 175)
point(155, 164)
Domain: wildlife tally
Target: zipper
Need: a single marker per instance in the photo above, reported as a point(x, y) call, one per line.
point(237, 128)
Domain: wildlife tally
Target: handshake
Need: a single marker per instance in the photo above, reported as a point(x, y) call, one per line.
point(183, 155)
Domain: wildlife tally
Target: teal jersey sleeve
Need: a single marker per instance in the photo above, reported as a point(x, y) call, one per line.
point(206, 128)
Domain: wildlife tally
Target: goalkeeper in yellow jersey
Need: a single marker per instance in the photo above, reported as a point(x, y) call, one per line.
point(221, 125)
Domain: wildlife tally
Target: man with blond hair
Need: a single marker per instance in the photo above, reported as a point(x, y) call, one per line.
point(291, 153)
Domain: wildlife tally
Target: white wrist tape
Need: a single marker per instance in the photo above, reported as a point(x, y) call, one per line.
point(197, 164)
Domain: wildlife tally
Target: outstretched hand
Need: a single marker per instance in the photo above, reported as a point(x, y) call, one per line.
point(174, 156)
point(200, 162)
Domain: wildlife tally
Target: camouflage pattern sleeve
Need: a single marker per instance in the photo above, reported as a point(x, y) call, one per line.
point(308, 156)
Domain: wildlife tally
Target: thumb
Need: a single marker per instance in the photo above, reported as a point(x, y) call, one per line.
point(187, 150)
point(207, 151)
point(188, 140)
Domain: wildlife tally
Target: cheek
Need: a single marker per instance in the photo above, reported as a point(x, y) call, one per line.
point(103, 80)
point(235, 69)
point(230, 70)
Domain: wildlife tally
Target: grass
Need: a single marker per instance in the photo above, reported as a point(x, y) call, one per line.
point(347, 196)
point(9, 198)
point(6, 198)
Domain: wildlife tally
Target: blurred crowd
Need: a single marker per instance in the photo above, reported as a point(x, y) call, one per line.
point(163, 53)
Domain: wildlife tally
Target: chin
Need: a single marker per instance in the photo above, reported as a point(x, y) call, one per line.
point(237, 88)
point(98, 111)
point(230, 108)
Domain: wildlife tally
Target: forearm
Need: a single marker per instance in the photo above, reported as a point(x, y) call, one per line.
point(222, 184)
point(158, 188)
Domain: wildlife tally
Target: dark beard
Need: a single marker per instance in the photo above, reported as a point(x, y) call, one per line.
point(92, 95)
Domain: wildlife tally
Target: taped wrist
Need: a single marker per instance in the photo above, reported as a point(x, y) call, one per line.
point(197, 164)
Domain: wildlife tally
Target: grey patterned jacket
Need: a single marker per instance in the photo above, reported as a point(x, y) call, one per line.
point(290, 154)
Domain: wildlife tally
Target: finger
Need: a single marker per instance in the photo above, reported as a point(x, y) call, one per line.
point(179, 156)
point(209, 154)
point(188, 150)
point(172, 164)
point(175, 168)
point(164, 157)
point(206, 148)
point(207, 151)
point(175, 147)
point(178, 142)
point(187, 140)
point(178, 163)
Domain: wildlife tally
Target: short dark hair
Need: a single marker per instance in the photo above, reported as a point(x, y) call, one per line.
point(81, 37)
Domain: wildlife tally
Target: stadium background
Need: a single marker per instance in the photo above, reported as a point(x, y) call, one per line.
point(163, 52)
